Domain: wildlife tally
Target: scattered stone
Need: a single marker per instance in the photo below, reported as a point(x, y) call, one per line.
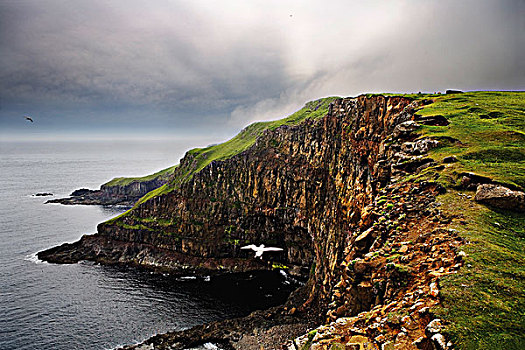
point(424, 311)
point(423, 343)
point(412, 164)
point(470, 181)
point(500, 197)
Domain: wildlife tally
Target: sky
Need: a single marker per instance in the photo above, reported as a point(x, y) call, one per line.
point(187, 69)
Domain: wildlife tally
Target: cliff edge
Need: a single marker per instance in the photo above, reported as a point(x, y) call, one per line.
point(372, 201)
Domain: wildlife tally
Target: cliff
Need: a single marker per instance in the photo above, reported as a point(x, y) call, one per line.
point(358, 198)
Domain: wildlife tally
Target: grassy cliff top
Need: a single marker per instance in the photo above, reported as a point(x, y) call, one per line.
point(490, 128)
point(484, 302)
point(123, 181)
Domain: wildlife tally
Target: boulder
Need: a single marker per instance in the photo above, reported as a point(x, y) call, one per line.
point(500, 197)
point(405, 129)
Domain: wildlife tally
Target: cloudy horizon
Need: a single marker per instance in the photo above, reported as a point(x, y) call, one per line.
point(200, 68)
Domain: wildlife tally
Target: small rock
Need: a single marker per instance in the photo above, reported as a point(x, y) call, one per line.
point(401, 337)
point(81, 192)
point(423, 343)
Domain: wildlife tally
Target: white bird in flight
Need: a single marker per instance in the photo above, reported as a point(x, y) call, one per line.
point(261, 249)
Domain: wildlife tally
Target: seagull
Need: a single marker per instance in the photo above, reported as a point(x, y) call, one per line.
point(28, 118)
point(261, 249)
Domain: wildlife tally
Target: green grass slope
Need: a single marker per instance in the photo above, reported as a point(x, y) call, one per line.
point(485, 302)
point(123, 181)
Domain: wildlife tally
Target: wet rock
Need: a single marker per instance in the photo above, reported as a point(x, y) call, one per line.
point(43, 194)
point(500, 197)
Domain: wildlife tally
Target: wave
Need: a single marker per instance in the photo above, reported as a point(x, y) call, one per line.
point(34, 259)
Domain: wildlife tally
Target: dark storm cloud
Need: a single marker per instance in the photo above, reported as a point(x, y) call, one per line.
point(164, 56)
point(230, 62)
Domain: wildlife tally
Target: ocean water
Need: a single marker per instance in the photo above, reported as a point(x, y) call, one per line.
point(88, 306)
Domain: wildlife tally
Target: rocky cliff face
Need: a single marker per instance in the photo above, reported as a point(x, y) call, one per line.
point(298, 187)
point(310, 189)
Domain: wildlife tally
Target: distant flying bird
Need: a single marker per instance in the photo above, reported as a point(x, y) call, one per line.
point(261, 249)
point(28, 118)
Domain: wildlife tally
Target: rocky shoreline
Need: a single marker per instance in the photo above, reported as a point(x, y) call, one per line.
point(104, 250)
point(112, 194)
point(85, 196)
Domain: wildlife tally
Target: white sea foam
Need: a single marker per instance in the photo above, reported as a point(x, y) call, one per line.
point(34, 259)
point(184, 278)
